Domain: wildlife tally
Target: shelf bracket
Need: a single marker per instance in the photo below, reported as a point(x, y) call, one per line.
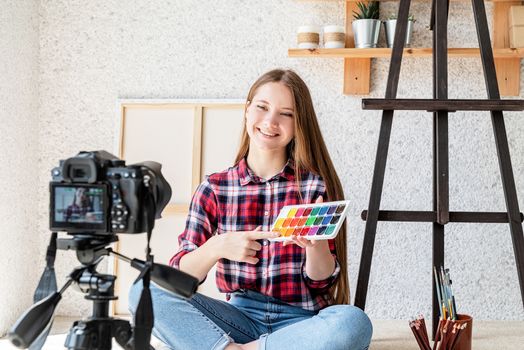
point(357, 71)
point(508, 69)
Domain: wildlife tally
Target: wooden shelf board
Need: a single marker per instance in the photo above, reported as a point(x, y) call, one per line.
point(411, 52)
point(422, 0)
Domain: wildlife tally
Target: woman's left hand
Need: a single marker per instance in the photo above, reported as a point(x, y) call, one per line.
point(302, 241)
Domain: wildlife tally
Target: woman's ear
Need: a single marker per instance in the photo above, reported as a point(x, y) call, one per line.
point(248, 103)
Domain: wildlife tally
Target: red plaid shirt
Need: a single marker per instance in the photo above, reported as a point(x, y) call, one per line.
point(238, 200)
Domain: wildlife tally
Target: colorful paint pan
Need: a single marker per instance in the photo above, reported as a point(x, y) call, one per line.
point(318, 220)
point(321, 230)
point(311, 221)
point(294, 222)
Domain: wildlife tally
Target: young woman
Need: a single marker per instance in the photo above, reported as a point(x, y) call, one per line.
point(80, 208)
point(288, 295)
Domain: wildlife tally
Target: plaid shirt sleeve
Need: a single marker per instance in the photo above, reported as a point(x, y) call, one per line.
point(201, 222)
point(321, 286)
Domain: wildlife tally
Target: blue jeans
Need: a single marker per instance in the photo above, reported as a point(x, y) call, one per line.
point(206, 323)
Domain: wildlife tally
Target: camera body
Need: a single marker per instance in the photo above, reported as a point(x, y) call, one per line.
point(96, 193)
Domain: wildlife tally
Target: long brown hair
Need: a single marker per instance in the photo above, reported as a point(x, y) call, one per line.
point(309, 153)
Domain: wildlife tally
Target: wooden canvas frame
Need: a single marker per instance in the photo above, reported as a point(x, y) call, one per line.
point(200, 108)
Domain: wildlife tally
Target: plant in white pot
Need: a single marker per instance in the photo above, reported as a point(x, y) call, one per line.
point(389, 27)
point(366, 25)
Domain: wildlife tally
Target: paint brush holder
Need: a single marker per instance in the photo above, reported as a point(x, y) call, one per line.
point(454, 335)
point(450, 334)
point(464, 343)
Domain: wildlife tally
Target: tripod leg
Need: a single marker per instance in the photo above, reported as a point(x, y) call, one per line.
point(381, 157)
point(501, 141)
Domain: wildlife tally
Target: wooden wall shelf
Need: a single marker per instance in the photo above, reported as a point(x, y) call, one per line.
point(357, 62)
point(384, 52)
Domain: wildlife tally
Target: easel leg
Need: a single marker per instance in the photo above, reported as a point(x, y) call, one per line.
point(381, 157)
point(438, 261)
point(440, 144)
point(501, 141)
point(374, 205)
point(510, 194)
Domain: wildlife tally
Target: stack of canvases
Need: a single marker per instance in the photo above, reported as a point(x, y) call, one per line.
point(516, 26)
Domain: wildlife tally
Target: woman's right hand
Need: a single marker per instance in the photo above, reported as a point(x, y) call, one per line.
point(241, 246)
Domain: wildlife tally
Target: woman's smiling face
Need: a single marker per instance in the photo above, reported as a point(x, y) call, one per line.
point(270, 117)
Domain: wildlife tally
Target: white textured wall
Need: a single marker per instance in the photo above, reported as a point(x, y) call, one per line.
point(19, 236)
point(94, 52)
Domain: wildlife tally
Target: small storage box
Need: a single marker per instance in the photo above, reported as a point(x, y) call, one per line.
point(516, 26)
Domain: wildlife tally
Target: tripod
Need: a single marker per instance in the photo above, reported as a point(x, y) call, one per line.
point(97, 331)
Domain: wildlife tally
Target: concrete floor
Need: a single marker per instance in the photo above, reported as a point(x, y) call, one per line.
point(388, 335)
point(487, 335)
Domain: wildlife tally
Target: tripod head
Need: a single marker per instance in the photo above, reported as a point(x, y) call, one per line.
point(98, 288)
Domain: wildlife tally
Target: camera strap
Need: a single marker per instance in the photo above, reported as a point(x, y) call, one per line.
point(47, 284)
point(144, 318)
point(143, 323)
point(46, 287)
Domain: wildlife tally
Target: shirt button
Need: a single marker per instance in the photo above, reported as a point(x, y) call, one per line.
point(266, 213)
point(265, 242)
point(264, 273)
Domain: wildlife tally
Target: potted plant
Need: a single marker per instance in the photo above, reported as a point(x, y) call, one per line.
point(366, 25)
point(389, 27)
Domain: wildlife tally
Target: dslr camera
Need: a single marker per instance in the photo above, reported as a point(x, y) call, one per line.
point(96, 193)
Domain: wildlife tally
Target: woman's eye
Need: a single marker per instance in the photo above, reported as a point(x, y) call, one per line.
point(287, 114)
point(264, 108)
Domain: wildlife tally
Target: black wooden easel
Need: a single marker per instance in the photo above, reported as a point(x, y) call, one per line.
point(440, 106)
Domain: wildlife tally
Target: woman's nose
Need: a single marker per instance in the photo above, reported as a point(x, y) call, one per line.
point(271, 118)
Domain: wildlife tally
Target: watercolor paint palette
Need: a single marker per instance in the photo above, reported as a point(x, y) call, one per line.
point(312, 221)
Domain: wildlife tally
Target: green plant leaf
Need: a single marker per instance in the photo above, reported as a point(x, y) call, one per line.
point(367, 11)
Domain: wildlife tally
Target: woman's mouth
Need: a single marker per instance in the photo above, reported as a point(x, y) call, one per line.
point(267, 134)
